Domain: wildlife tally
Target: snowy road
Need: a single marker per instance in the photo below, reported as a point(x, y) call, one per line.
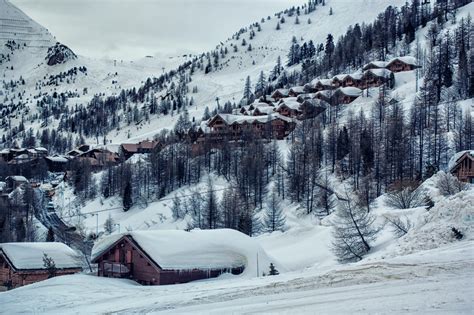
point(435, 281)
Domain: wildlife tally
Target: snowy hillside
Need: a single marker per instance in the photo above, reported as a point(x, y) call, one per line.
point(110, 77)
point(394, 277)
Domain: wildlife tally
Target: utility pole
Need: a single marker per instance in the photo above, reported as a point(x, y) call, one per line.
point(258, 273)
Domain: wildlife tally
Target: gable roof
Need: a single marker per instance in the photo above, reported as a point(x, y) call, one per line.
point(177, 249)
point(455, 161)
point(29, 256)
point(350, 91)
point(384, 73)
point(18, 178)
point(409, 60)
point(375, 64)
point(231, 119)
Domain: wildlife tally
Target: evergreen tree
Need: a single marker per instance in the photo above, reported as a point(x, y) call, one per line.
point(50, 266)
point(127, 197)
point(273, 271)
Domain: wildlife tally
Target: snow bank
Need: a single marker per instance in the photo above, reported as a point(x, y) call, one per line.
point(203, 249)
point(30, 255)
point(433, 229)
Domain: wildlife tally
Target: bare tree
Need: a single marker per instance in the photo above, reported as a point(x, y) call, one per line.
point(404, 196)
point(353, 231)
point(448, 184)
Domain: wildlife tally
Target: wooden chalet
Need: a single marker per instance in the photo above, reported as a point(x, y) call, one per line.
point(127, 150)
point(168, 257)
point(399, 64)
point(57, 163)
point(354, 79)
point(377, 77)
point(463, 167)
point(280, 93)
point(322, 85)
point(345, 95)
point(324, 95)
point(337, 80)
point(263, 110)
point(22, 263)
point(375, 65)
point(237, 127)
point(99, 158)
point(268, 99)
point(296, 90)
point(311, 108)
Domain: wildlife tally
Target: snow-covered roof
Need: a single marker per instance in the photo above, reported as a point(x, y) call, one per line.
point(57, 158)
point(340, 77)
point(409, 60)
point(325, 81)
point(283, 92)
point(378, 64)
point(290, 103)
point(30, 255)
point(356, 75)
point(177, 249)
point(265, 109)
point(240, 119)
point(384, 73)
point(5, 151)
point(18, 178)
point(41, 149)
point(297, 89)
point(350, 91)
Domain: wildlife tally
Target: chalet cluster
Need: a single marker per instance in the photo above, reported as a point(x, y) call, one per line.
point(274, 116)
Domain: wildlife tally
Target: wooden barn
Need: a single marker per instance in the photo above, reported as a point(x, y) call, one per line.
point(463, 167)
point(169, 257)
point(22, 263)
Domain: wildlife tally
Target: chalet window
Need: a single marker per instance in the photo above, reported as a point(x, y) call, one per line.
point(148, 264)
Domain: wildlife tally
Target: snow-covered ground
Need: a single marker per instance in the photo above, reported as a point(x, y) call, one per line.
point(427, 270)
point(434, 281)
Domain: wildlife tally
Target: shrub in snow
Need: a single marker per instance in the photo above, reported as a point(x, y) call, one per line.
point(273, 271)
point(353, 232)
point(457, 234)
point(50, 266)
point(404, 195)
point(448, 184)
point(109, 225)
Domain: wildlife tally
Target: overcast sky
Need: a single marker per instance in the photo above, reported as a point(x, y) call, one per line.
point(131, 29)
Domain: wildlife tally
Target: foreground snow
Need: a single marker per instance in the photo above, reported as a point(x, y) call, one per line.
point(438, 280)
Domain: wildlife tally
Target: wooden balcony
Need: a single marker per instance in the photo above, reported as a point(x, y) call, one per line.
point(116, 270)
